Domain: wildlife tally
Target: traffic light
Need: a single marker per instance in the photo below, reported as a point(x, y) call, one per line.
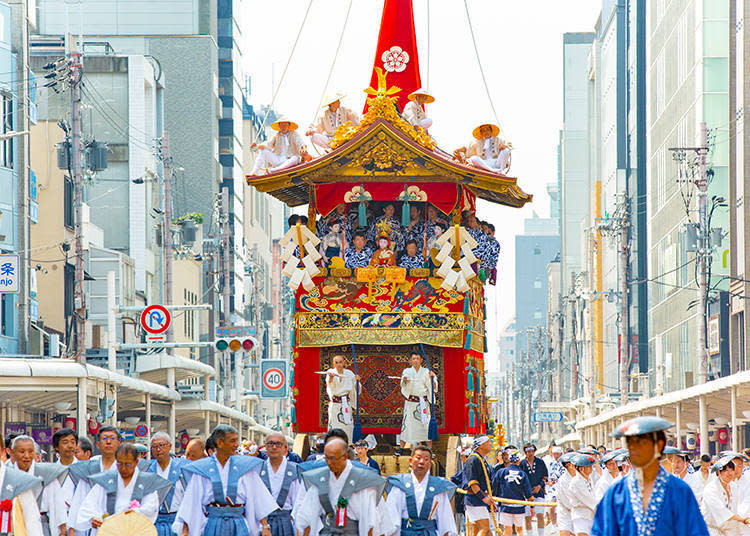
point(234, 344)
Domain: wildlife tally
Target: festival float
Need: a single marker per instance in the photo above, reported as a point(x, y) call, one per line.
point(376, 315)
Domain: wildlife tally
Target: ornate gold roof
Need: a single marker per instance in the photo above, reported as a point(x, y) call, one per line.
point(385, 148)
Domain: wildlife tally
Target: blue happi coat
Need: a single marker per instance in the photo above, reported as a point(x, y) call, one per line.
point(166, 517)
point(419, 523)
point(672, 510)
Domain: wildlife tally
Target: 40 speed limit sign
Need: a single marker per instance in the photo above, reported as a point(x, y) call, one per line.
point(273, 380)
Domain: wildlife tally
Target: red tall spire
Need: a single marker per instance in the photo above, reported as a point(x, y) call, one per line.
point(397, 53)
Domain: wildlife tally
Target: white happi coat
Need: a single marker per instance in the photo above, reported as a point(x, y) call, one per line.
point(697, 483)
point(603, 484)
point(717, 508)
point(412, 429)
point(582, 501)
point(443, 512)
point(343, 387)
point(328, 121)
point(362, 506)
point(52, 501)
point(95, 504)
point(415, 114)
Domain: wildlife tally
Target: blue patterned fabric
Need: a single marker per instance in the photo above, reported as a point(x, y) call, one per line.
point(416, 233)
point(226, 521)
point(673, 510)
point(164, 524)
point(411, 262)
point(491, 252)
point(354, 259)
point(280, 522)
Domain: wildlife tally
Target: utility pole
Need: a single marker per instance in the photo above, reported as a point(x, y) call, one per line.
point(166, 160)
point(703, 245)
point(76, 149)
point(704, 250)
point(539, 354)
point(573, 299)
point(225, 296)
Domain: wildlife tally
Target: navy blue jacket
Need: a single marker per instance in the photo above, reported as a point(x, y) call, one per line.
point(511, 483)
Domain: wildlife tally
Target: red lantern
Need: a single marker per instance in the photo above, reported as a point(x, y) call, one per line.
point(93, 427)
point(722, 436)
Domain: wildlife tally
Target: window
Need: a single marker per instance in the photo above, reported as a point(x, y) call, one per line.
point(538, 283)
point(6, 125)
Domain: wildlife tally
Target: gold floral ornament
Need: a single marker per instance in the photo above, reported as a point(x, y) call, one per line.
point(456, 241)
point(300, 246)
point(381, 106)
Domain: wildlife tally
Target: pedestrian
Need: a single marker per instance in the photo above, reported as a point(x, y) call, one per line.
point(421, 501)
point(536, 470)
point(564, 521)
point(121, 489)
point(361, 449)
point(512, 482)
point(282, 479)
point(581, 494)
point(720, 501)
point(648, 500)
point(195, 450)
point(478, 501)
point(341, 498)
point(225, 495)
point(170, 469)
point(609, 476)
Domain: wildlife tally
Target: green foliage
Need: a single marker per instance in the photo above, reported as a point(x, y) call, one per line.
point(196, 217)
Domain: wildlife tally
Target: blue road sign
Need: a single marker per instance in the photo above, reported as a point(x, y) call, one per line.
point(9, 276)
point(547, 416)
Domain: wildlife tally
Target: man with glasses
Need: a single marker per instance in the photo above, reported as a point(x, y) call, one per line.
point(225, 495)
point(170, 469)
point(282, 479)
point(124, 489)
point(341, 498)
point(107, 441)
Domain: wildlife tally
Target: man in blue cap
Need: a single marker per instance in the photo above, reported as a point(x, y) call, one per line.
point(648, 501)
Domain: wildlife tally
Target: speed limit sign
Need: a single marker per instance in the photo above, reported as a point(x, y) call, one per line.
point(273, 379)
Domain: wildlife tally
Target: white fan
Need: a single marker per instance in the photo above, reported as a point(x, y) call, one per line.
point(132, 524)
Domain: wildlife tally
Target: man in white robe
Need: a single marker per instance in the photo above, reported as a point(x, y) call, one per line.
point(488, 151)
point(285, 149)
point(282, 479)
point(224, 490)
point(341, 386)
point(436, 517)
point(341, 499)
point(131, 490)
point(720, 501)
point(17, 484)
point(609, 476)
point(65, 443)
point(334, 115)
point(49, 494)
point(418, 393)
point(698, 480)
point(414, 110)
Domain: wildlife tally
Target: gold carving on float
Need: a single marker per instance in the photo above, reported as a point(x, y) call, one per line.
point(382, 157)
point(381, 106)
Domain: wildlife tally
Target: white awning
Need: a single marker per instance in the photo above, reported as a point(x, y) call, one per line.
point(196, 405)
point(739, 379)
point(51, 369)
point(153, 367)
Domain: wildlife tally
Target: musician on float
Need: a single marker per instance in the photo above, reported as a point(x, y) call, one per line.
point(341, 386)
point(418, 385)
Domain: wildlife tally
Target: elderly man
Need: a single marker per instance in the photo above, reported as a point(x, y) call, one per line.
point(333, 116)
point(282, 479)
point(107, 441)
point(669, 502)
point(123, 489)
point(225, 495)
point(49, 496)
point(418, 385)
point(15, 483)
point(341, 387)
point(422, 501)
point(488, 151)
point(414, 110)
point(341, 498)
point(195, 450)
point(169, 469)
point(285, 149)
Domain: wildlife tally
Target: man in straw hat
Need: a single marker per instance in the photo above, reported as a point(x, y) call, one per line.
point(422, 501)
point(488, 151)
point(648, 500)
point(225, 495)
point(120, 490)
point(285, 149)
point(414, 110)
point(334, 115)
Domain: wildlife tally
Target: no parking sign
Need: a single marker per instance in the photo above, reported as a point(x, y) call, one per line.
point(273, 378)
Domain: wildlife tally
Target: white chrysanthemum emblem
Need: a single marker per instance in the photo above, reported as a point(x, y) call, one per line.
point(395, 59)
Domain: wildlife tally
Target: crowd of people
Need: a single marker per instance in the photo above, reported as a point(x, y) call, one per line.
point(646, 488)
point(383, 240)
point(287, 148)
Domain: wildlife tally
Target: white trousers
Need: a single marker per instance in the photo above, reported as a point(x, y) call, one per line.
point(498, 165)
point(269, 159)
point(321, 140)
